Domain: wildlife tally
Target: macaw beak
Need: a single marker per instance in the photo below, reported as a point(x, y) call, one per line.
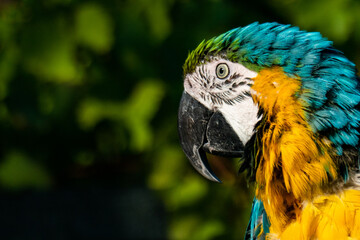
point(202, 130)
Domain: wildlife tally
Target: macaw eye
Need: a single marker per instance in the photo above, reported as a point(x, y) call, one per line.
point(222, 70)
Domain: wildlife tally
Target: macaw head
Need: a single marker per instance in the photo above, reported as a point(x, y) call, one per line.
point(217, 112)
point(282, 99)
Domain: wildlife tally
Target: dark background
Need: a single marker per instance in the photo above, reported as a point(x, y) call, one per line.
point(89, 92)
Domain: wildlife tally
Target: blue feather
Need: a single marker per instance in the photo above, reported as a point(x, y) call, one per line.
point(258, 221)
point(330, 88)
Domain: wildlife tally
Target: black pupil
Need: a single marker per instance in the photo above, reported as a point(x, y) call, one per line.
point(221, 70)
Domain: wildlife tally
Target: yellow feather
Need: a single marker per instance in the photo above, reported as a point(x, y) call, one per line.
point(294, 166)
point(327, 217)
point(294, 162)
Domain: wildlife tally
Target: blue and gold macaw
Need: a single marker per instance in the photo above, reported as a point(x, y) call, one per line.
point(287, 102)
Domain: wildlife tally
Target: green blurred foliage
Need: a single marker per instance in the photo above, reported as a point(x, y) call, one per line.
point(87, 84)
point(336, 19)
point(94, 27)
point(134, 114)
point(18, 172)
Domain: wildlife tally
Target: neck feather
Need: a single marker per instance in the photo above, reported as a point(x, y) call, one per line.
point(294, 163)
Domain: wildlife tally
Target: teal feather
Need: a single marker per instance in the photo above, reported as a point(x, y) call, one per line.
point(330, 87)
point(258, 221)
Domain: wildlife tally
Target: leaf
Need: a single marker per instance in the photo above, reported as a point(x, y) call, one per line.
point(135, 113)
point(94, 27)
point(48, 52)
point(18, 172)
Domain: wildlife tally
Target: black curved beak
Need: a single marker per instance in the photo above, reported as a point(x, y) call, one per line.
point(202, 130)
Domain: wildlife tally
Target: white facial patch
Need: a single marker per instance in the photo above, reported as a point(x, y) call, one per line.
point(230, 95)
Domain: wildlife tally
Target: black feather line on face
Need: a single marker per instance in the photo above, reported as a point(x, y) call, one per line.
point(202, 73)
point(197, 79)
point(232, 78)
point(220, 98)
point(235, 85)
